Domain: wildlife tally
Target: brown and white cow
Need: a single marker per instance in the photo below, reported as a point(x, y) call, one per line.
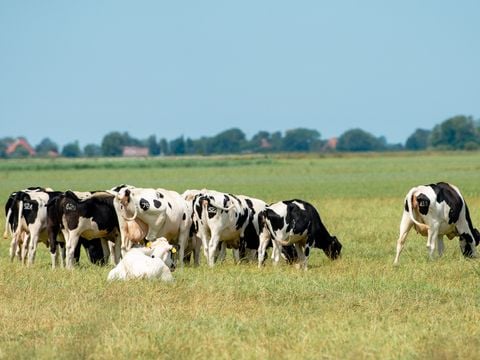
point(436, 210)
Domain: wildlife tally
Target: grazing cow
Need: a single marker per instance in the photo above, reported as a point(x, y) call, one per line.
point(164, 212)
point(155, 261)
point(295, 222)
point(436, 210)
point(91, 218)
point(219, 218)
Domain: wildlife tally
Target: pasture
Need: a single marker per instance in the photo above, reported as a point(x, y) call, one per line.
point(358, 307)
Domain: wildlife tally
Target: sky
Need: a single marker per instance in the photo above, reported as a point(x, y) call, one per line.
point(77, 70)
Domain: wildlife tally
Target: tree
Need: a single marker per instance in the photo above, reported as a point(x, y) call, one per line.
point(418, 140)
point(92, 150)
point(177, 146)
point(228, 142)
point(72, 150)
point(359, 140)
point(4, 142)
point(46, 146)
point(300, 139)
point(153, 146)
point(163, 144)
point(458, 132)
point(114, 142)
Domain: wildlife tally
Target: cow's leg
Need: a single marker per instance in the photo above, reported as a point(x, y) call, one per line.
point(106, 251)
point(71, 244)
point(32, 247)
point(182, 242)
point(212, 248)
point(236, 256)
point(264, 239)
point(221, 254)
point(405, 225)
point(276, 253)
point(13, 248)
point(432, 241)
point(197, 244)
point(24, 253)
point(440, 245)
point(302, 258)
point(63, 254)
point(117, 250)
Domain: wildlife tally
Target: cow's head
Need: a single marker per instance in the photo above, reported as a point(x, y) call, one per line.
point(164, 250)
point(476, 236)
point(333, 249)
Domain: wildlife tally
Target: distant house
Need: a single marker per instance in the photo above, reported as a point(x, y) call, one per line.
point(331, 144)
point(23, 144)
point(133, 151)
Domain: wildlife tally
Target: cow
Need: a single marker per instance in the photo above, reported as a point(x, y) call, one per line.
point(153, 261)
point(90, 217)
point(295, 222)
point(164, 212)
point(27, 220)
point(436, 210)
point(220, 217)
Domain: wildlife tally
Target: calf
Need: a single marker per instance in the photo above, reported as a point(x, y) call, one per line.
point(150, 262)
point(164, 213)
point(295, 222)
point(91, 217)
point(436, 210)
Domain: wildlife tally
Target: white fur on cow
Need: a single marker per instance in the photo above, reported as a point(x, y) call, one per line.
point(145, 262)
point(164, 212)
point(436, 210)
point(220, 217)
point(295, 222)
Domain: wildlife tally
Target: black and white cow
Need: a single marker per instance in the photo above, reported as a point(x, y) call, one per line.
point(295, 222)
point(164, 212)
point(436, 210)
point(91, 217)
point(27, 219)
point(220, 217)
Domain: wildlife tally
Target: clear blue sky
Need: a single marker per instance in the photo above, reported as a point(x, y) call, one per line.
point(76, 70)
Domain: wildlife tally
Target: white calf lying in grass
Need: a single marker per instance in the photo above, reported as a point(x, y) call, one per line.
point(149, 262)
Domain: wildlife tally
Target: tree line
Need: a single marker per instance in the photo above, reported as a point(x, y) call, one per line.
point(456, 133)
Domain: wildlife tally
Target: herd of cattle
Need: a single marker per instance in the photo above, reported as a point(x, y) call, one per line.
point(124, 221)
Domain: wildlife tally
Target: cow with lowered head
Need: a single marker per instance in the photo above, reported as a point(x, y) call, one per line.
point(436, 210)
point(295, 222)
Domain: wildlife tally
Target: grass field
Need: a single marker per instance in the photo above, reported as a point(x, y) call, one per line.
point(358, 307)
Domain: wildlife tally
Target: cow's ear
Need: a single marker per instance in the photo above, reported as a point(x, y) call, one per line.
point(127, 192)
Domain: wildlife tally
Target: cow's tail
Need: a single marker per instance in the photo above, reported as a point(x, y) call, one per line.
point(218, 206)
point(8, 229)
point(17, 231)
point(413, 204)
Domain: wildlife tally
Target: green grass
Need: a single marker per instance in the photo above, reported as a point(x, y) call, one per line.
point(357, 307)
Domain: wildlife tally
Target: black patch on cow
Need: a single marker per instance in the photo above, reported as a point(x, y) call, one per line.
point(469, 243)
point(144, 204)
point(184, 216)
point(157, 203)
point(423, 204)
point(211, 211)
point(226, 199)
point(30, 211)
point(242, 218)
point(405, 207)
point(169, 205)
point(448, 194)
point(159, 195)
point(277, 222)
point(307, 251)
